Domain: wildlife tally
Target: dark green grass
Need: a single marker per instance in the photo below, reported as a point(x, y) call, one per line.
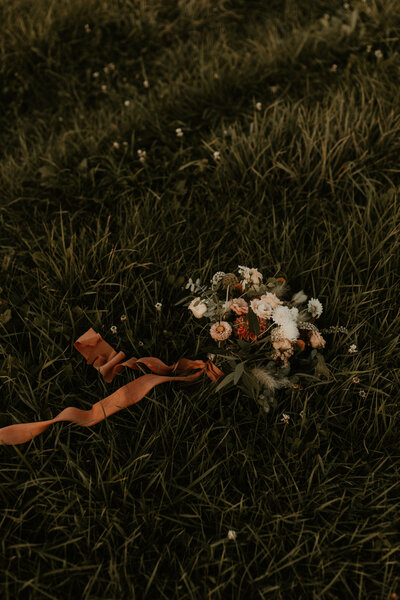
point(140, 505)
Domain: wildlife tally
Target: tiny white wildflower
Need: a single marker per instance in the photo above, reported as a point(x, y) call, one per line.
point(379, 54)
point(123, 318)
point(146, 83)
point(285, 418)
point(217, 155)
point(179, 132)
point(232, 535)
point(356, 380)
point(352, 349)
point(104, 88)
point(258, 106)
point(116, 145)
point(114, 329)
point(363, 393)
point(158, 306)
point(333, 68)
point(314, 307)
point(95, 75)
point(216, 278)
point(127, 102)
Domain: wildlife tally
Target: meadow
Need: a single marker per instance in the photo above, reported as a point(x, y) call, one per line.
point(146, 142)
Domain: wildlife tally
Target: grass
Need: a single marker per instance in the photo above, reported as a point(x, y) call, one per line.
point(139, 506)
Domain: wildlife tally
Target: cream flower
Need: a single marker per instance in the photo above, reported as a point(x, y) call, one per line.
point(299, 298)
point(250, 275)
point(198, 307)
point(316, 340)
point(271, 299)
point(220, 331)
point(261, 307)
point(239, 306)
point(314, 307)
point(284, 317)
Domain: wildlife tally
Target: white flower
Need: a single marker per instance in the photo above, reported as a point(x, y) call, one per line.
point(363, 393)
point(352, 349)
point(258, 106)
point(113, 329)
point(231, 534)
point(123, 318)
point(314, 307)
point(285, 418)
point(261, 308)
point(379, 54)
point(127, 102)
point(116, 145)
point(286, 318)
point(179, 132)
point(146, 83)
point(217, 155)
point(216, 278)
point(142, 154)
point(96, 74)
point(299, 298)
point(158, 306)
point(104, 88)
point(198, 307)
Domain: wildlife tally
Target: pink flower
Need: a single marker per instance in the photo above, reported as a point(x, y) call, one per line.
point(239, 306)
point(271, 299)
point(316, 340)
point(220, 331)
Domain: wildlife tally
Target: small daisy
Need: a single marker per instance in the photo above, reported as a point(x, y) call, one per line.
point(146, 84)
point(127, 103)
point(352, 349)
point(113, 329)
point(123, 318)
point(231, 534)
point(220, 331)
point(104, 88)
point(179, 132)
point(116, 145)
point(142, 154)
point(363, 393)
point(379, 54)
point(356, 380)
point(158, 306)
point(258, 106)
point(217, 155)
point(314, 307)
point(285, 418)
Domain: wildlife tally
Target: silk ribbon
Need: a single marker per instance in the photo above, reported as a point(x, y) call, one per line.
point(109, 363)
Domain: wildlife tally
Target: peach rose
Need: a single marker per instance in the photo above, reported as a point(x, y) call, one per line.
point(316, 340)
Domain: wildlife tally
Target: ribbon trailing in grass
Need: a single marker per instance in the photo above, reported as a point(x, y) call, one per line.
point(109, 362)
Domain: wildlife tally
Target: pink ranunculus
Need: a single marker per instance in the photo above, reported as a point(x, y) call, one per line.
point(316, 340)
point(220, 331)
point(239, 306)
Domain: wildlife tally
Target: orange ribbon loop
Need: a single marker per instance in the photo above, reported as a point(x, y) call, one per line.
point(106, 360)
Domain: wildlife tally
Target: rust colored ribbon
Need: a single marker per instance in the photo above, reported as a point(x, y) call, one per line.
point(104, 358)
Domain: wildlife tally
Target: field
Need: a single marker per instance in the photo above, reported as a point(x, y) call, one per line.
point(288, 161)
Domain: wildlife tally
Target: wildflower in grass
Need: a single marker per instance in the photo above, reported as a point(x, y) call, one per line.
point(179, 132)
point(95, 75)
point(123, 318)
point(363, 393)
point(198, 307)
point(220, 331)
point(302, 414)
point(142, 154)
point(113, 329)
point(217, 155)
point(314, 307)
point(239, 306)
point(316, 340)
point(285, 418)
point(333, 68)
point(258, 106)
point(379, 54)
point(87, 28)
point(352, 349)
point(116, 145)
point(231, 534)
point(104, 88)
point(146, 84)
point(158, 306)
point(127, 103)
point(216, 279)
point(356, 380)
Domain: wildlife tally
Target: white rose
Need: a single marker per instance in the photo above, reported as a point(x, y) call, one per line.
point(261, 308)
point(198, 307)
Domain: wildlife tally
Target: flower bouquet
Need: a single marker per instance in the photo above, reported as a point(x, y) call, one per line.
point(265, 338)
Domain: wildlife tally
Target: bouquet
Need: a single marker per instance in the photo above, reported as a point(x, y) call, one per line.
point(265, 337)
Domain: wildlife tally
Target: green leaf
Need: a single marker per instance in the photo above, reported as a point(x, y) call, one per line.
point(226, 381)
point(238, 372)
point(254, 325)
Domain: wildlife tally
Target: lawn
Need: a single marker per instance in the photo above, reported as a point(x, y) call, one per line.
point(146, 142)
